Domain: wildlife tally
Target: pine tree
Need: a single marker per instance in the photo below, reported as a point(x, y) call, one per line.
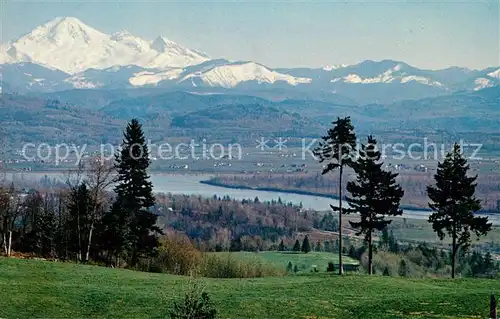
point(296, 246)
point(131, 223)
point(306, 247)
point(489, 264)
point(326, 244)
point(374, 195)
point(318, 246)
point(235, 244)
point(393, 243)
point(42, 235)
point(403, 269)
point(281, 246)
point(384, 238)
point(352, 252)
point(453, 201)
point(337, 149)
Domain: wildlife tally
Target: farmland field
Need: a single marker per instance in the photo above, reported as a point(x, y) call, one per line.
point(31, 288)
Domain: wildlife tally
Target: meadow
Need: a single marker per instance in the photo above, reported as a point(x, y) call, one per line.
point(31, 288)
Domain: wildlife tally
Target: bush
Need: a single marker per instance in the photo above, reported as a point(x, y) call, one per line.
point(176, 255)
point(331, 267)
point(195, 305)
point(386, 272)
point(403, 269)
point(391, 262)
point(226, 266)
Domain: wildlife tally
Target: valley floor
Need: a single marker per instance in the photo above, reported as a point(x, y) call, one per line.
point(30, 288)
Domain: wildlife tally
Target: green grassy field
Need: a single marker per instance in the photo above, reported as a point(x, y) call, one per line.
point(418, 230)
point(304, 262)
point(61, 290)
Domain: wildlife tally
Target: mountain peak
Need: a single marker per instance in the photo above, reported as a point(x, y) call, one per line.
point(174, 55)
point(70, 20)
point(65, 22)
point(68, 44)
point(162, 44)
point(63, 29)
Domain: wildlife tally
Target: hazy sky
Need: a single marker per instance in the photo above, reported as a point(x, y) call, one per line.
point(432, 34)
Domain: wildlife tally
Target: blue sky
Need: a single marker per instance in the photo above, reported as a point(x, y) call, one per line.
point(432, 34)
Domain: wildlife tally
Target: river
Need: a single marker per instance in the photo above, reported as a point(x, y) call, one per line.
point(189, 184)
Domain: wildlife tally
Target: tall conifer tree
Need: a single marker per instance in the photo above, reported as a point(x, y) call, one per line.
point(131, 224)
point(296, 246)
point(453, 201)
point(306, 246)
point(374, 195)
point(337, 149)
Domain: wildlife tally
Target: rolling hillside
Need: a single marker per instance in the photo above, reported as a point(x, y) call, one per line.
point(77, 116)
point(31, 288)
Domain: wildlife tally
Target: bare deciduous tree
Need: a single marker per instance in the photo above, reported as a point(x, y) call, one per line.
point(9, 210)
point(74, 178)
point(100, 177)
point(97, 174)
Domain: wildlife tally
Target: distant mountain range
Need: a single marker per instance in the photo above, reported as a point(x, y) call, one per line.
point(66, 54)
point(473, 116)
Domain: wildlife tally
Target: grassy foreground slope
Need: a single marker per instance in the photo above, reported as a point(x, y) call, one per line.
point(58, 290)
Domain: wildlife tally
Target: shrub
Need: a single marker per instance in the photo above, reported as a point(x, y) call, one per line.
point(331, 267)
point(403, 269)
point(176, 255)
point(226, 266)
point(383, 260)
point(195, 305)
point(386, 272)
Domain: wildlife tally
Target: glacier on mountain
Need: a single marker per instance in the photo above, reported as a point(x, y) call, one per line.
point(231, 75)
point(72, 46)
point(391, 75)
point(66, 53)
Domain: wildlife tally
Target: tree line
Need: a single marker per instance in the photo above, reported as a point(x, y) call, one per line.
point(375, 194)
point(76, 223)
point(85, 221)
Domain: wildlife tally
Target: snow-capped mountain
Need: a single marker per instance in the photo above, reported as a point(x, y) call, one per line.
point(487, 80)
point(220, 74)
point(391, 75)
point(72, 46)
point(172, 54)
point(495, 74)
point(233, 74)
point(65, 53)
